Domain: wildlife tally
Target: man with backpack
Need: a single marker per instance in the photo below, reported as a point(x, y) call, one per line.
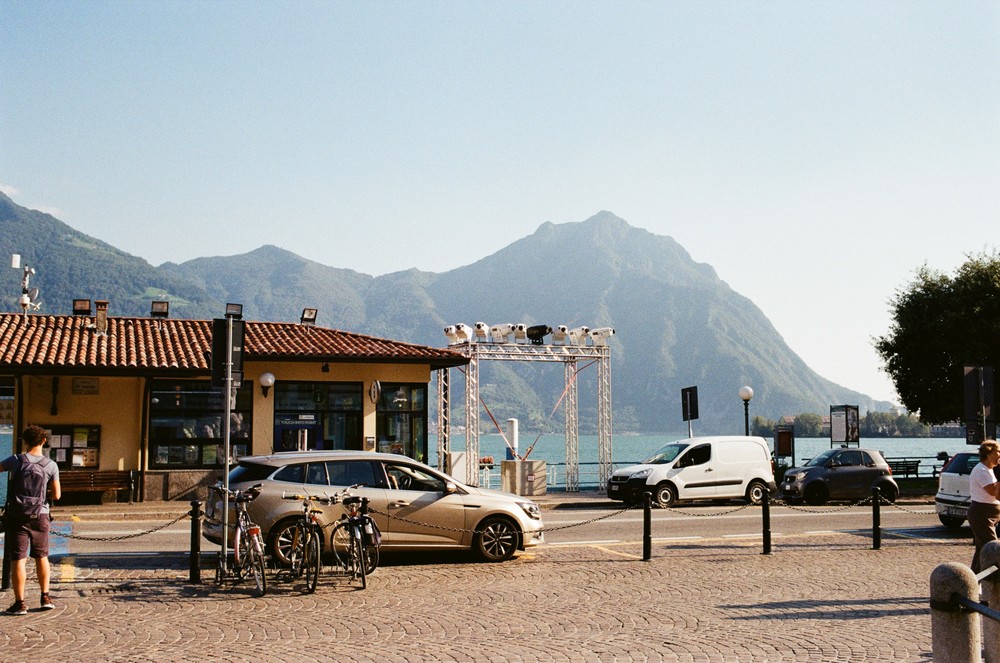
point(34, 476)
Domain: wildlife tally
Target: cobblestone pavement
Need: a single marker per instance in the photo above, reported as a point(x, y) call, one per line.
point(826, 597)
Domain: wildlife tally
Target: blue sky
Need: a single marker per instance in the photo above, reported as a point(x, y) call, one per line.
point(815, 153)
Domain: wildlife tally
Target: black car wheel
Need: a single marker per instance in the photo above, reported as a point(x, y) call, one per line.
point(496, 539)
point(951, 522)
point(816, 494)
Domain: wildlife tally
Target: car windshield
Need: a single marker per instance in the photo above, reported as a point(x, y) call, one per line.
point(822, 458)
point(666, 454)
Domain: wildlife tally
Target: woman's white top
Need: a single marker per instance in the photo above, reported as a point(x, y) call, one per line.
point(981, 477)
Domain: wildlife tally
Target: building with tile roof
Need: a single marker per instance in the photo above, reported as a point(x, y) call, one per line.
point(129, 393)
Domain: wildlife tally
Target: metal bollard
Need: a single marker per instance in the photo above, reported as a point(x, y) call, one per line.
point(955, 636)
point(194, 576)
point(766, 511)
point(647, 526)
point(990, 556)
point(876, 518)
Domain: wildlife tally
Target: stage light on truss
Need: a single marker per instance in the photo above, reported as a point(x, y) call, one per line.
point(520, 333)
point(501, 333)
point(451, 334)
point(463, 333)
point(537, 333)
point(578, 335)
point(481, 331)
point(601, 335)
point(560, 334)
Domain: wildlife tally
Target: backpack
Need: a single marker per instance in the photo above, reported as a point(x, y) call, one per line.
point(29, 487)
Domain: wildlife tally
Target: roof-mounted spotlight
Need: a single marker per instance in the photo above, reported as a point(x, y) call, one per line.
point(520, 333)
point(601, 335)
point(308, 316)
point(451, 334)
point(578, 335)
point(482, 331)
point(537, 333)
point(159, 309)
point(234, 311)
point(501, 333)
point(463, 333)
point(559, 334)
point(81, 307)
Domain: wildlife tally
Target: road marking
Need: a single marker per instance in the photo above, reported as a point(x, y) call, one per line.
point(67, 569)
point(618, 552)
point(583, 543)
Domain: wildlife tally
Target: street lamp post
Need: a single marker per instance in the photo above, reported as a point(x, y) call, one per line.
point(746, 393)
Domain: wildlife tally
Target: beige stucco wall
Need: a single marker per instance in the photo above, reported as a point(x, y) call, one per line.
point(116, 408)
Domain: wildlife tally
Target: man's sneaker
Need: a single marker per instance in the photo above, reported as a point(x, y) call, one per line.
point(47, 603)
point(18, 608)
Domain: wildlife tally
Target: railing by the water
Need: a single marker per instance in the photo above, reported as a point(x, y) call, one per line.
point(903, 467)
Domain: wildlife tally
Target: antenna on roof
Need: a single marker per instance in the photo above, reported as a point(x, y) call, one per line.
point(29, 295)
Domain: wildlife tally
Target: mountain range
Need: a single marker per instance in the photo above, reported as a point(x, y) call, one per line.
point(677, 323)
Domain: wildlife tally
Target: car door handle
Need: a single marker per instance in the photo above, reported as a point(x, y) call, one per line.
point(398, 504)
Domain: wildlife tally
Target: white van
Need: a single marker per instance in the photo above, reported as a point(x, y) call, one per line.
point(699, 468)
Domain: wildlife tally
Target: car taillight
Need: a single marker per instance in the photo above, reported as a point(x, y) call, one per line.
point(254, 531)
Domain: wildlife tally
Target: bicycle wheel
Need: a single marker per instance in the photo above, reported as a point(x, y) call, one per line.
point(254, 559)
point(357, 559)
point(311, 560)
point(340, 542)
point(241, 545)
point(370, 558)
point(297, 550)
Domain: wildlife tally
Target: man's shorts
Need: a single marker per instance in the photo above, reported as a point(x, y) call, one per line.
point(31, 533)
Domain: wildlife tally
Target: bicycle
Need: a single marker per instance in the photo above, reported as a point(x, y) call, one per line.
point(305, 547)
point(356, 539)
point(248, 544)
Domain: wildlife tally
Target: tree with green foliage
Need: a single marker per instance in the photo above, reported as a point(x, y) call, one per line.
point(939, 325)
point(808, 424)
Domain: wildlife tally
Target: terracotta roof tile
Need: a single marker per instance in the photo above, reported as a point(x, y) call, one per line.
point(139, 345)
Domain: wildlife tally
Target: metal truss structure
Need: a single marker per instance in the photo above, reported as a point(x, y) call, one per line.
point(570, 355)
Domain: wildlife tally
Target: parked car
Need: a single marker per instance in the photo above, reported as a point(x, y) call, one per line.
point(839, 474)
point(721, 467)
point(952, 499)
point(415, 506)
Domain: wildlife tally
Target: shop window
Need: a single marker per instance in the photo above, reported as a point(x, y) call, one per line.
point(401, 426)
point(317, 415)
point(186, 425)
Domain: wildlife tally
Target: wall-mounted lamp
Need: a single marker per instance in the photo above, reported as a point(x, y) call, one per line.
point(308, 316)
point(325, 368)
point(159, 309)
point(266, 382)
point(81, 307)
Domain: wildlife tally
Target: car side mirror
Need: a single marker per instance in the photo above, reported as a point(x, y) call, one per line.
point(450, 488)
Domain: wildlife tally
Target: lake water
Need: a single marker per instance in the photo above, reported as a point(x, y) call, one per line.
point(629, 449)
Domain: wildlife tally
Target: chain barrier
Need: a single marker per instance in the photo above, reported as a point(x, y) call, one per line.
point(703, 515)
point(472, 531)
point(122, 537)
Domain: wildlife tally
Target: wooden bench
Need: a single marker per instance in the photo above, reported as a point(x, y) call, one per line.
point(904, 467)
point(97, 481)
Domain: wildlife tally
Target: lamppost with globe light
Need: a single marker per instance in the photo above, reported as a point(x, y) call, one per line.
point(746, 393)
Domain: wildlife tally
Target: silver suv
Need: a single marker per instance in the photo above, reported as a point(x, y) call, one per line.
point(415, 506)
point(952, 499)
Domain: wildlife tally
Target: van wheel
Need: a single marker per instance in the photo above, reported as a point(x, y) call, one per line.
point(816, 494)
point(755, 493)
point(665, 495)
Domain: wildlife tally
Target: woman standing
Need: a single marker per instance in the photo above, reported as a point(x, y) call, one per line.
point(984, 512)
